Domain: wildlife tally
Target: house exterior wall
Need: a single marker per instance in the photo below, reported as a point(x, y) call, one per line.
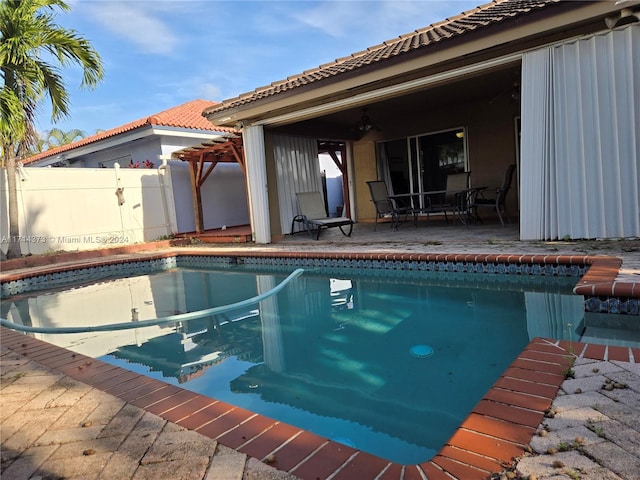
point(171, 143)
point(490, 127)
point(364, 167)
point(138, 151)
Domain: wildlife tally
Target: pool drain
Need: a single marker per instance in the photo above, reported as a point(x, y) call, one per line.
point(421, 351)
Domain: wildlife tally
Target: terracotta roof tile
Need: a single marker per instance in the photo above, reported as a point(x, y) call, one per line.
point(480, 17)
point(187, 116)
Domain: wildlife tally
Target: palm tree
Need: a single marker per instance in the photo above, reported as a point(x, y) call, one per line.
point(32, 50)
point(57, 137)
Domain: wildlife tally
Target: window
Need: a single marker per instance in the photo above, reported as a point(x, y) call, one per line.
point(422, 163)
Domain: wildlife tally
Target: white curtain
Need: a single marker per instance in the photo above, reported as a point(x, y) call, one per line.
point(384, 173)
point(298, 170)
point(253, 139)
point(580, 163)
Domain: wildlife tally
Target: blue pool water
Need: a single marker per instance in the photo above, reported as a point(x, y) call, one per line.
point(389, 364)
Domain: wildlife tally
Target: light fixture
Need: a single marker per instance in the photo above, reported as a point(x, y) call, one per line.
point(365, 124)
point(625, 16)
point(460, 134)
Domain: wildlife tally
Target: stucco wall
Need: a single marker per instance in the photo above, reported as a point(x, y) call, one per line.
point(138, 151)
point(364, 162)
point(490, 126)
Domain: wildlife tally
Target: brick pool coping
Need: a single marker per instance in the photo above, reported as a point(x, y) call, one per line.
point(599, 281)
point(491, 438)
point(494, 434)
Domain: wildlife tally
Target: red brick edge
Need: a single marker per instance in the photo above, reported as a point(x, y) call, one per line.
point(600, 279)
point(492, 437)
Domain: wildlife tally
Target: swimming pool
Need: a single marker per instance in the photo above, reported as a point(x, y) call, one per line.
point(330, 326)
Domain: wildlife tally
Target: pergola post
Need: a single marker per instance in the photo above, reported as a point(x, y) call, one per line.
point(197, 198)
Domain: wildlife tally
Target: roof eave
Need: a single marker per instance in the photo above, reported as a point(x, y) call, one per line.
point(119, 139)
point(562, 20)
point(102, 144)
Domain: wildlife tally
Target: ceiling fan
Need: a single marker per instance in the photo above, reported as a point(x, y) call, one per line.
point(365, 125)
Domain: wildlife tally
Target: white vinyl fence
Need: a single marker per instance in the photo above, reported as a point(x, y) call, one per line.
point(87, 208)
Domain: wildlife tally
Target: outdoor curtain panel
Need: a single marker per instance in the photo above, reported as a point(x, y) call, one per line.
point(298, 170)
point(581, 138)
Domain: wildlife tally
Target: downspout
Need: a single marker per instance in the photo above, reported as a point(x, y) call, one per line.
point(256, 165)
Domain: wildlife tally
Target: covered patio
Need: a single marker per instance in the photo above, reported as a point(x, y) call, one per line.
point(474, 93)
point(434, 234)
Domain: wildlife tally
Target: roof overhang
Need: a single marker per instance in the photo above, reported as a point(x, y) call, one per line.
point(122, 139)
point(448, 60)
point(386, 92)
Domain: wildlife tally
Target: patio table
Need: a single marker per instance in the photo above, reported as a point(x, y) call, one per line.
point(461, 207)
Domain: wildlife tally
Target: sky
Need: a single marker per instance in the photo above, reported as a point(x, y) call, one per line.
point(158, 54)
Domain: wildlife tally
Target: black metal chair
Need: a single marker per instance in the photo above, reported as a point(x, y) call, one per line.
point(387, 207)
point(497, 202)
point(455, 200)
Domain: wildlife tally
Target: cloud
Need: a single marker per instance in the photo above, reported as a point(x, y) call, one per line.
point(384, 19)
point(339, 19)
point(183, 88)
point(197, 87)
point(138, 22)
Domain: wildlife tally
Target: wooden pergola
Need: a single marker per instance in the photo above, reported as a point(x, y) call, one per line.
point(204, 157)
point(225, 149)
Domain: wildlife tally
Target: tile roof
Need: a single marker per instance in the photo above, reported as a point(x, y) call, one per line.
point(186, 116)
point(492, 13)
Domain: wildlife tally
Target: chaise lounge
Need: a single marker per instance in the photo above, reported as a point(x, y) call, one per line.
point(314, 216)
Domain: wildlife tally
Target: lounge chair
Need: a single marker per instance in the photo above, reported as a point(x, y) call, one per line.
point(314, 216)
point(387, 207)
point(496, 203)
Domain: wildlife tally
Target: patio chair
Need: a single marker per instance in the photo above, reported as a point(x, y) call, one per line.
point(496, 203)
point(387, 207)
point(314, 216)
point(455, 199)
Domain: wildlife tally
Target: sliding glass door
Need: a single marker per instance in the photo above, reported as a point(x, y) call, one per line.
point(422, 163)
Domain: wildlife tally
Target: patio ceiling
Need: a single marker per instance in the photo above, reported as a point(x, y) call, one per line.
point(482, 86)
